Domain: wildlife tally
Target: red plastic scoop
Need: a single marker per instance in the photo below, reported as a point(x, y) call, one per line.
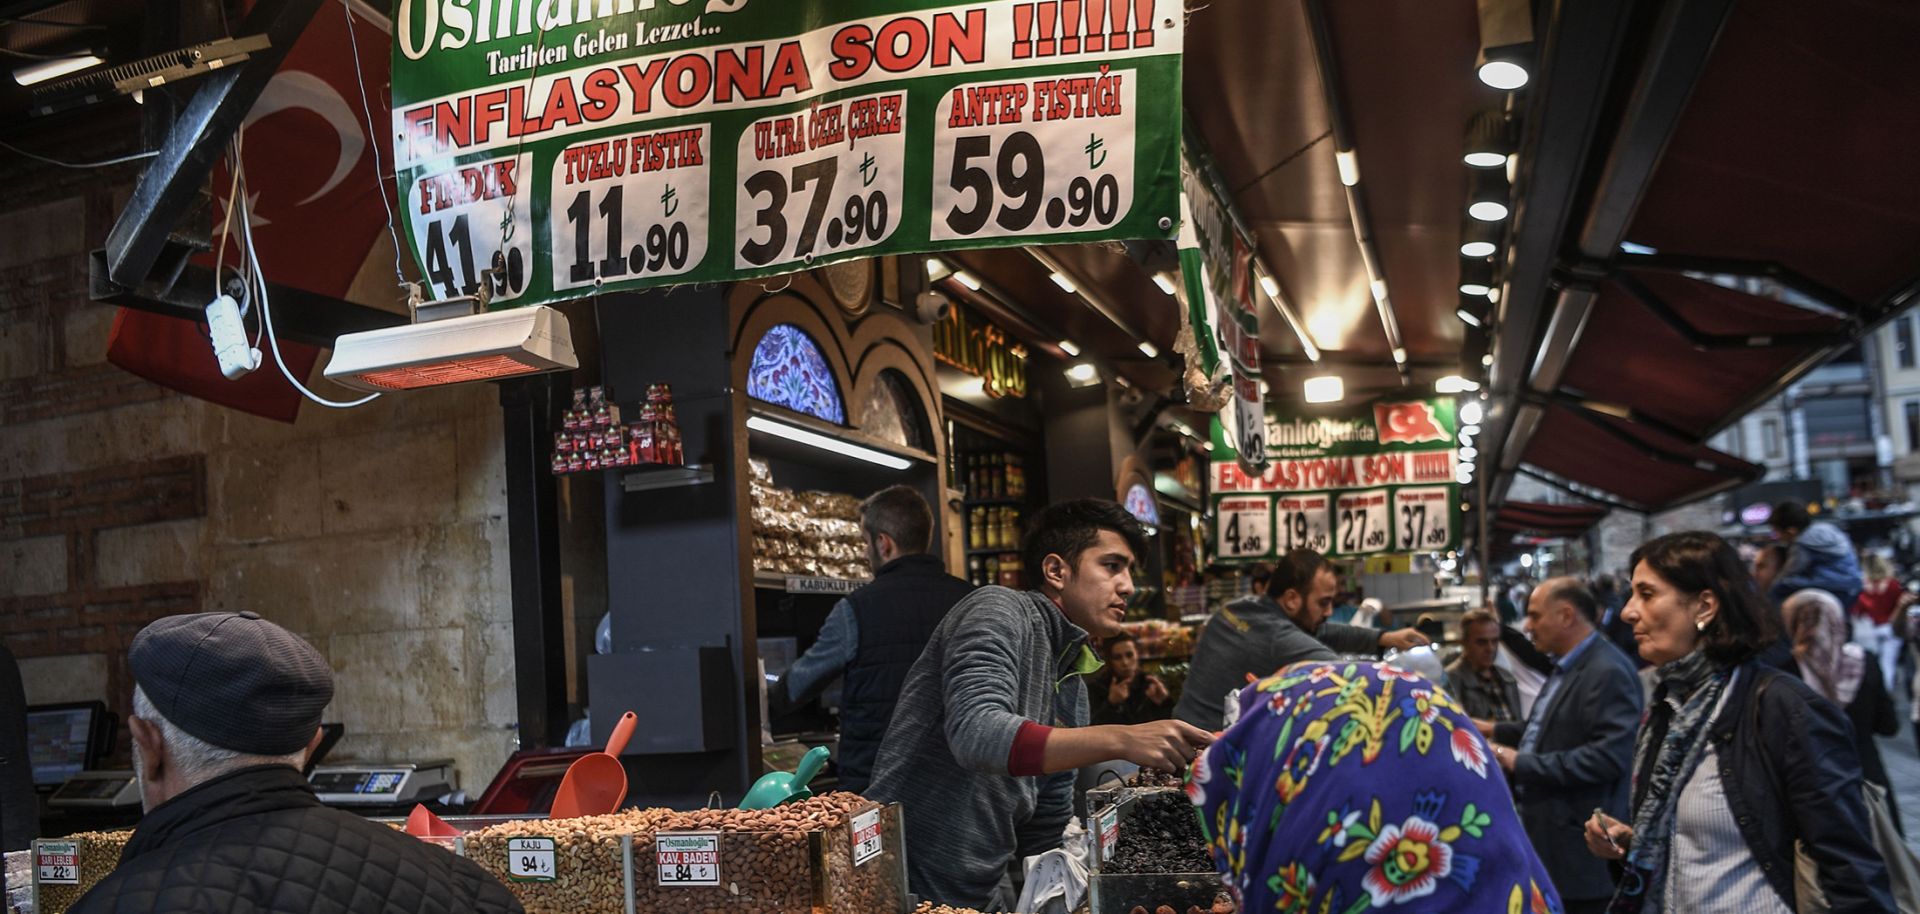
point(596, 784)
point(422, 823)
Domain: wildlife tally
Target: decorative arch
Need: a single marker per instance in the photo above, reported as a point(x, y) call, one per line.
point(891, 411)
point(788, 368)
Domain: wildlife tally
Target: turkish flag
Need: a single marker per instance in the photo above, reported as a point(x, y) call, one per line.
point(317, 216)
point(1411, 423)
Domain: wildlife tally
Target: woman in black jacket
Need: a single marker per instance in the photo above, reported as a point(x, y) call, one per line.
point(1843, 673)
point(1736, 761)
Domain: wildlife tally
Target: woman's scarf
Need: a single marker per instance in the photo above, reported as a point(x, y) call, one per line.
point(1347, 787)
point(1671, 743)
point(1828, 660)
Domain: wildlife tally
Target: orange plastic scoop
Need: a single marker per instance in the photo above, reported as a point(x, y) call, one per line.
point(422, 823)
point(596, 784)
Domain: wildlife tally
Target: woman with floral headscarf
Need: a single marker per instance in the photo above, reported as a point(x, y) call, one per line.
point(1347, 787)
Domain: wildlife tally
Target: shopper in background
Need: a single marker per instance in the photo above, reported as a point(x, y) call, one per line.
point(1572, 754)
point(873, 635)
point(1879, 599)
point(1767, 564)
point(1737, 763)
point(1302, 818)
point(1843, 673)
point(1486, 691)
point(1611, 591)
point(1287, 624)
point(1124, 694)
point(226, 710)
point(1818, 555)
point(992, 720)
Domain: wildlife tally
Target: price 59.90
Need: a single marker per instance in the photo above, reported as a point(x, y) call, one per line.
point(1013, 194)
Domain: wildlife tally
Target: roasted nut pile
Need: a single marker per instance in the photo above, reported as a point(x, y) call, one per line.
point(767, 861)
point(1161, 835)
point(99, 854)
point(1222, 904)
point(928, 907)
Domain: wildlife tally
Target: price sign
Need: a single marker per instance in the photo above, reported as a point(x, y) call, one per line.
point(866, 836)
point(474, 223)
point(1245, 526)
point(531, 860)
point(687, 858)
point(825, 180)
point(1303, 521)
point(57, 862)
point(1362, 519)
point(1109, 833)
point(635, 207)
point(1423, 518)
point(1034, 155)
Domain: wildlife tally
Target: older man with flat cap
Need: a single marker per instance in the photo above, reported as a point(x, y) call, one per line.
point(226, 709)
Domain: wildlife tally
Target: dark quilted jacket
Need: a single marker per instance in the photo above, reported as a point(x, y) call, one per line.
point(257, 842)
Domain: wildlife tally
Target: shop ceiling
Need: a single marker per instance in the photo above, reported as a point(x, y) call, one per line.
point(1750, 152)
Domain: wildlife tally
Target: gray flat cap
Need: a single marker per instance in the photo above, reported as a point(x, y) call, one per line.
point(234, 680)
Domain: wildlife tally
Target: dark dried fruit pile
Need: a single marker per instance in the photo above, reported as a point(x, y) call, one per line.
point(1152, 777)
point(1161, 835)
point(1222, 904)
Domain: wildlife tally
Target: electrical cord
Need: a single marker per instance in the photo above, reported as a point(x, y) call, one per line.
point(40, 158)
point(379, 170)
point(266, 316)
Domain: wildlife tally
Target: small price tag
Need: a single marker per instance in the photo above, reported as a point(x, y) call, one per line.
point(866, 836)
point(58, 863)
point(531, 860)
point(1109, 833)
point(687, 858)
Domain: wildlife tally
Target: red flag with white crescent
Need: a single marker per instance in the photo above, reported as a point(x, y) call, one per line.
point(316, 213)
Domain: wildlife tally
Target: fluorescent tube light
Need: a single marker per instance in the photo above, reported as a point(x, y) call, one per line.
point(1349, 165)
point(815, 439)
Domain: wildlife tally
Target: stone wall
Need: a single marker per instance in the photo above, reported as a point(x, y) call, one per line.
point(379, 533)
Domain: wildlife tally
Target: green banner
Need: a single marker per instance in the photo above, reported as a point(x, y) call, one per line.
point(1368, 480)
point(559, 147)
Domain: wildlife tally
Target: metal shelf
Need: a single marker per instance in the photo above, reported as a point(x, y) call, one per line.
point(660, 476)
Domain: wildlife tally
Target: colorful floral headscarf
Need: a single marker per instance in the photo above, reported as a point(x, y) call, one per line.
point(1349, 787)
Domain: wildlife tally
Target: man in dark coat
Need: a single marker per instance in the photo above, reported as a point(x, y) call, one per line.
point(226, 709)
point(872, 637)
point(1574, 753)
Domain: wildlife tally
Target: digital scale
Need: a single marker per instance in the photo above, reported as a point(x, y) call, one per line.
point(97, 790)
point(376, 784)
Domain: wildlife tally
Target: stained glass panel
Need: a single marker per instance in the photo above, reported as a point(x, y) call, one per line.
point(789, 370)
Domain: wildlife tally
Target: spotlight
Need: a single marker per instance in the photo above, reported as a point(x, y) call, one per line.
point(1061, 280)
point(1487, 199)
point(1083, 375)
point(1506, 43)
point(1349, 165)
point(1476, 277)
point(1479, 239)
point(966, 279)
point(1487, 143)
point(1068, 347)
point(1326, 388)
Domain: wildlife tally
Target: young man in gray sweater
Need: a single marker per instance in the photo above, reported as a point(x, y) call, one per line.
point(992, 722)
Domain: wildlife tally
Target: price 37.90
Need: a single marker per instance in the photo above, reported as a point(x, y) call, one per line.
point(857, 218)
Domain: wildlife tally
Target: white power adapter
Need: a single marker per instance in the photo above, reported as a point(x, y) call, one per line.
point(230, 339)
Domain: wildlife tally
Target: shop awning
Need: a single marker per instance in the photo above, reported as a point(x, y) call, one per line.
point(1546, 519)
point(1645, 468)
point(1741, 213)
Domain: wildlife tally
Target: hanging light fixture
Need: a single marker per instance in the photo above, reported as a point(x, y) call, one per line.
point(1473, 310)
point(1487, 196)
point(1506, 43)
point(1479, 239)
point(1487, 142)
point(1476, 277)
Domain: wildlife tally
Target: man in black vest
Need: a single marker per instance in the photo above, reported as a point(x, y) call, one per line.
point(874, 635)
